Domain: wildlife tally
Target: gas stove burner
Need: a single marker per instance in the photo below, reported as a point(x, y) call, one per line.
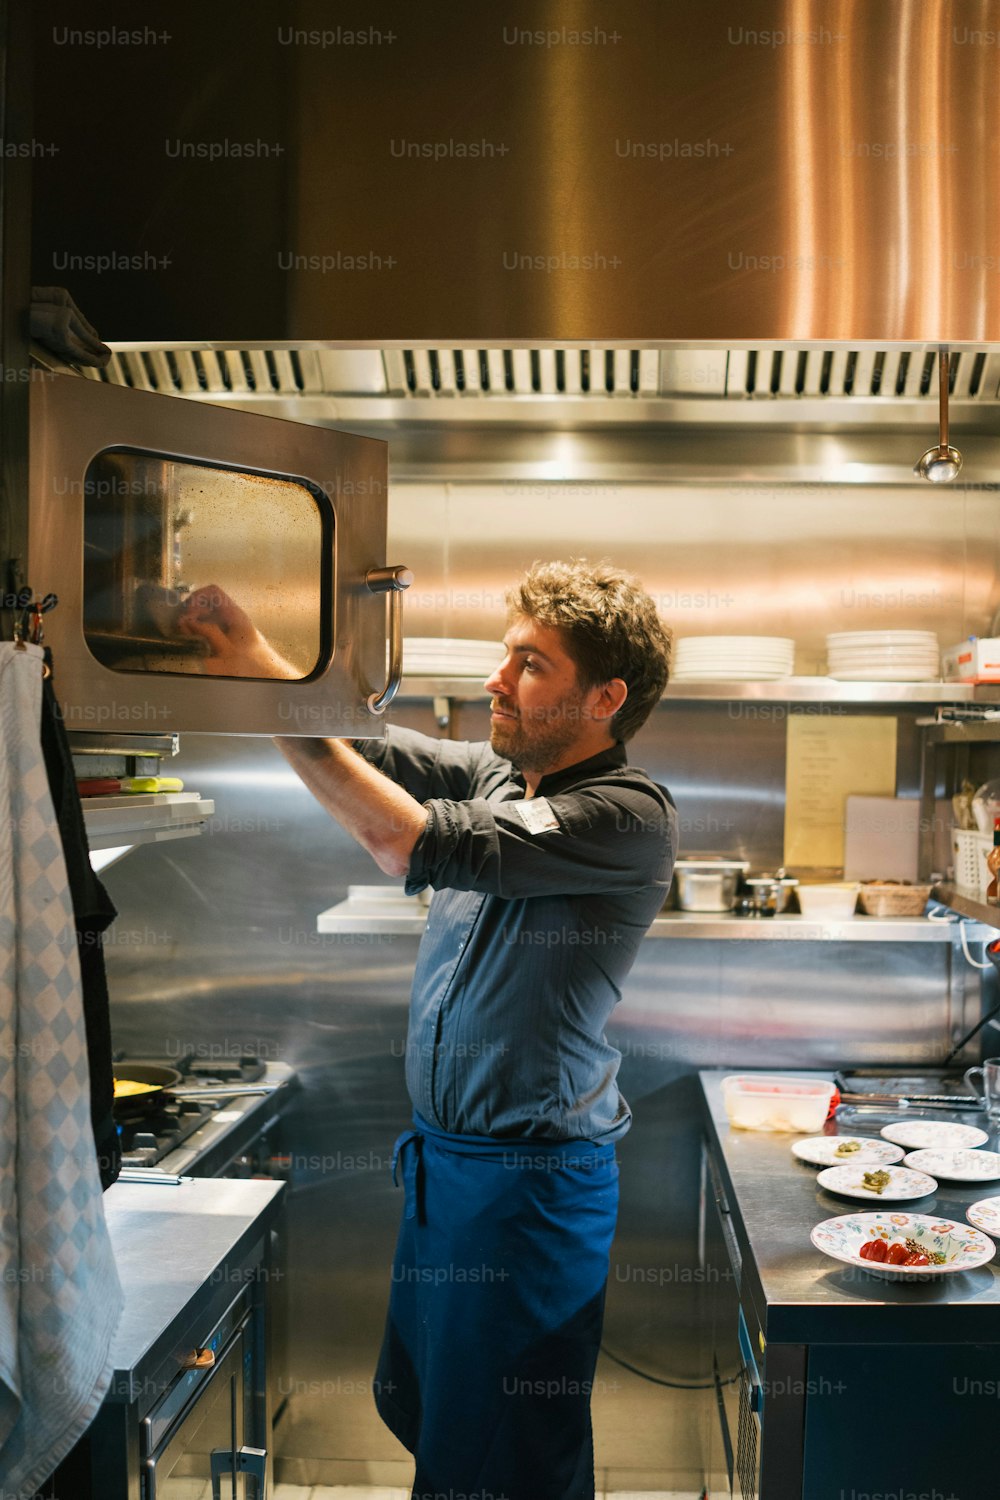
point(148, 1138)
point(244, 1069)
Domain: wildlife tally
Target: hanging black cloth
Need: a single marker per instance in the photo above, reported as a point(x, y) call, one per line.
point(93, 911)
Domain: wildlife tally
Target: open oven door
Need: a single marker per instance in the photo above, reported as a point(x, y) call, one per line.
point(216, 570)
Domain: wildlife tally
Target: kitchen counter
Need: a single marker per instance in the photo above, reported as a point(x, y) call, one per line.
point(183, 1250)
point(799, 1295)
point(829, 1382)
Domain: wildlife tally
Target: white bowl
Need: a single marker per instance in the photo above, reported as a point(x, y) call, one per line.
point(886, 674)
point(964, 1248)
point(881, 658)
point(881, 638)
point(829, 903)
point(728, 647)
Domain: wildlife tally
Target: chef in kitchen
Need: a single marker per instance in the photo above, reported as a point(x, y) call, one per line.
point(549, 856)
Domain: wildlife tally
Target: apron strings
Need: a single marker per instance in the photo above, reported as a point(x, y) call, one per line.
point(413, 1177)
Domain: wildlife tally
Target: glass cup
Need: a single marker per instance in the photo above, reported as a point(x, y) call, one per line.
point(989, 1092)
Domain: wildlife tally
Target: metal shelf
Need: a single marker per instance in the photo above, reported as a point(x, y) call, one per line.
point(385, 910)
point(967, 905)
point(686, 924)
point(962, 732)
point(375, 909)
point(783, 690)
point(128, 818)
point(110, 742)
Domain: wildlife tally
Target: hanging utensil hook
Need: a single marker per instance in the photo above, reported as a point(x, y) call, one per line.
point(940, 465)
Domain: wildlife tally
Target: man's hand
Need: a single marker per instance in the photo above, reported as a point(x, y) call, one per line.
point(383, 818)
point(236, 646)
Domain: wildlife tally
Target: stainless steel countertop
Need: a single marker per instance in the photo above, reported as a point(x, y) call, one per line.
point(801, 1296)
point(180, 1250)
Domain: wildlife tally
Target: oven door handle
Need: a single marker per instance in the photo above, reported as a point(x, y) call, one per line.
point(251, 1461)
point(391, 581)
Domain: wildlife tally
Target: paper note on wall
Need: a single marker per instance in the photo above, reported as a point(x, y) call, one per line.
point(830, 758)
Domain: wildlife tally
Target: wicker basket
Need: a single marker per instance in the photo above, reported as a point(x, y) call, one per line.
point(971, 870)
point(879, 900)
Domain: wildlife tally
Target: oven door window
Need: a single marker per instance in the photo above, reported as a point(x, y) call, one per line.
point(204, 571)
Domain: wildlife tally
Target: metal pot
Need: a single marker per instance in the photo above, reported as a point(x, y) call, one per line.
point(708, 884)
point(769, 895)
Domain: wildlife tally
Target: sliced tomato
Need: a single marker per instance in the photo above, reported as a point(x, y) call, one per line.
point(915, 1258)
point(897, 1254)
point(879, 1250)
point(866, 1249)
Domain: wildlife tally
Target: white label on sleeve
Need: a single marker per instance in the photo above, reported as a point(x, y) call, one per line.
point(537, 816)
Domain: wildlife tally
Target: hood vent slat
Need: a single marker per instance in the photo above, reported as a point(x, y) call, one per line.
point(767, 373)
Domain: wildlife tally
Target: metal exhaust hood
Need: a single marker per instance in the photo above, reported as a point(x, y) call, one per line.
point(816, 173)
point(606, 414)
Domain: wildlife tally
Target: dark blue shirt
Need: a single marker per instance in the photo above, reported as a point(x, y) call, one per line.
point(539, 910)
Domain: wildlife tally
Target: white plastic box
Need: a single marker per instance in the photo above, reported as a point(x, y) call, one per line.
point(976, 659)
point(765, 1101)
point(970, 849)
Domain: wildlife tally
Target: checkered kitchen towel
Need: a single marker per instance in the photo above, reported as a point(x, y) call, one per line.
point(60, 1298)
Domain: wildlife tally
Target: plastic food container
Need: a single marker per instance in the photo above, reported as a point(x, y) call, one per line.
point(828, 903)
point(893, 899)
point(764, 1101)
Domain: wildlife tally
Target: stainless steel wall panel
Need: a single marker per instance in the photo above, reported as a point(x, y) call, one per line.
point(795, 560)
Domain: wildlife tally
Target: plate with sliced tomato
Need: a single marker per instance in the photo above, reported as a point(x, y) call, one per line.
point(901, 1246)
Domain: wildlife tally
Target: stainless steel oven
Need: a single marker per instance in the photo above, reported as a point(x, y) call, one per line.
point(138, 501)
point(237, 1107)
point(199, 1429)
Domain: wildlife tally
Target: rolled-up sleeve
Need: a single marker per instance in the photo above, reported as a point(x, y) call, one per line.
point(607, 839)
point(425, 766)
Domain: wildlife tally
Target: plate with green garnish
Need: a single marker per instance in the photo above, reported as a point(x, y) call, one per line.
point(846, 1150)
point(876, 1184)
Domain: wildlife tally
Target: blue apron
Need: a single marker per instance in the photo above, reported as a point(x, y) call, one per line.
point(495, 1312)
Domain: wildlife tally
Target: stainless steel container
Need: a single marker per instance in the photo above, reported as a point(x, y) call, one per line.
point(769, 895)
point(708, 884)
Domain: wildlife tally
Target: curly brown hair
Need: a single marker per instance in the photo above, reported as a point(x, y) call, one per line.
point(610, 626)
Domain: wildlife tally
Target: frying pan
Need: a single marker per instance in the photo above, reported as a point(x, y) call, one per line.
point(154, 1074)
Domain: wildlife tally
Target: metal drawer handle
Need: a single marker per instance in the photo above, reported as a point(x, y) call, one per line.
point(198, 1359)
point(251, 1461)
point(390, 581)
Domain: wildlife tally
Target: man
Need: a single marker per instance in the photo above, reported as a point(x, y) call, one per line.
point(549, 857)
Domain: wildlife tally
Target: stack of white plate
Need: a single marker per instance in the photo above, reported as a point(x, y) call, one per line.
point(883, 656)
point(443, 656)
point(733, 658)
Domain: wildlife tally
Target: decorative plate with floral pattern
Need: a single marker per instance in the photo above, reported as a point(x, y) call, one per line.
point(963, 1247)
point(938, 1135)
point(826, 1151)
point(956, 1166)
point(903, 1184)
point(985, 1215)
